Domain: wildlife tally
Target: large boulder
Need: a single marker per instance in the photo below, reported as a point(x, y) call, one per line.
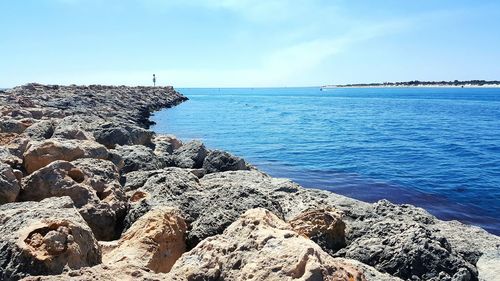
point(41, 130)
point(406, 246)
point(40, 154)
point(137, 157)
point(323, 226)
point(112, 134)
point(7, 157)
point(12, 151)
point(92, 184)
point(260, 246)
point(208, 208)
point(221, 161)
point(171, 187)
point(9, 184)
point(13, 126)
point(21, 113)
point(70, 132)
point(189, 155)
point(44, 238)
point(155, 241)
point(166, 144)
point(106, 215)
point(59, 178)
point(137, 179)
point(83, 122)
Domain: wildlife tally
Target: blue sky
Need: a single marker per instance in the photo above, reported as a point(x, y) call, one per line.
point(226, 43)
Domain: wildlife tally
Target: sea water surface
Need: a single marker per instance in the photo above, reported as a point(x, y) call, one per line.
point(437, 148)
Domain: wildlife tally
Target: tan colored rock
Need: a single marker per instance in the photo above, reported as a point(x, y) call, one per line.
point(155, 241)
point(6, 138)
point(40, 154)
point(323, 226)
point(260, 246)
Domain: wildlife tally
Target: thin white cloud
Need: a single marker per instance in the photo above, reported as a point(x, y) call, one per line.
point(253, 10)
point(281, 66)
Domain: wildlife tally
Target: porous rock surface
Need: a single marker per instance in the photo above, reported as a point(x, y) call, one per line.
point(407, 248)
point(155, 241)
point(42, 238)
point(92, 184)
point(40, 154)
point(189, 155)
point(9, 184)
point(104, 273)
point(55, 101)
point(260, 246)
point(137, 157)
point(84, 154)
point(323, 226)
point(208, 209)
point(221, 161)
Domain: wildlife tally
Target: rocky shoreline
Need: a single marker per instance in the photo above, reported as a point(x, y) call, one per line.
point(87, 192)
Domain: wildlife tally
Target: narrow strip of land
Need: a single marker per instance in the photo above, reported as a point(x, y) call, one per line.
point(423, 84)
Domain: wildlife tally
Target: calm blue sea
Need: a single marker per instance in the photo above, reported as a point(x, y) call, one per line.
point(437, 148)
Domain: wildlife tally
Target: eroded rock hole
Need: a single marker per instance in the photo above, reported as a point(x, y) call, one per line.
point(51, 240)
point(77, 175)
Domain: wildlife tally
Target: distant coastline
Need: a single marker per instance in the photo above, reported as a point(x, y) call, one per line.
point(422, 84)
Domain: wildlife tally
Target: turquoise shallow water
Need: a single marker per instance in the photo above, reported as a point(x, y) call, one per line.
point(437, 148)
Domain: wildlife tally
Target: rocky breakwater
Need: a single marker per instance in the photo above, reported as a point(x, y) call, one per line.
point(87, 192)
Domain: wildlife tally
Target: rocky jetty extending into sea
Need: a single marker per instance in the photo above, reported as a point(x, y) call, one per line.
point(87, 192)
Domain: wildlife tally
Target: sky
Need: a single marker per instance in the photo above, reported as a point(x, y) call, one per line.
point(247, 43)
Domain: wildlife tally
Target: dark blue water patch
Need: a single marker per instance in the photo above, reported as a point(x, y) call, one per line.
point(435, 148)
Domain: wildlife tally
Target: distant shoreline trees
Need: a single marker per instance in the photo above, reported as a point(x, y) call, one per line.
point(415, 83)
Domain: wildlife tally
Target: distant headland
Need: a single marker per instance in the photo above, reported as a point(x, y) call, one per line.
point(430, 84)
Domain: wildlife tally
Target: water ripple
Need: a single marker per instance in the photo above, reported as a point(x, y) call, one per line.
point(435, 148)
